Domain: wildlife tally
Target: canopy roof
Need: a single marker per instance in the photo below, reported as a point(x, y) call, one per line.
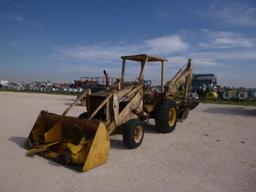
point(142, 57)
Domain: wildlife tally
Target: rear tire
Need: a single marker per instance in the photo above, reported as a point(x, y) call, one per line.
point(166, 116)
point(83, 115)
point(133, 133)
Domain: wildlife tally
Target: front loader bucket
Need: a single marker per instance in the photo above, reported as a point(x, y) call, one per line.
point(69, 140)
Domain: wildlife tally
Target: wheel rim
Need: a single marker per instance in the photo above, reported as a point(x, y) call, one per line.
point(138, 134)
point(172, 116)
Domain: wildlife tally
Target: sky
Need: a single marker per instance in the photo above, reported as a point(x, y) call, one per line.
point(63, 40)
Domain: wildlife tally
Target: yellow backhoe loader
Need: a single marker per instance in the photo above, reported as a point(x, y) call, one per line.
point(119, 109)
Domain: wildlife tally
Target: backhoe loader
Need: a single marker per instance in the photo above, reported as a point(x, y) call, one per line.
point(119, 109)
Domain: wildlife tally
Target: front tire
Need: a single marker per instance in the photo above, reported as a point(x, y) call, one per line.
point(166, 116)
point(133, 133)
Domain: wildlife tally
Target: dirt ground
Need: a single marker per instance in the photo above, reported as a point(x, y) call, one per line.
point(213, 150)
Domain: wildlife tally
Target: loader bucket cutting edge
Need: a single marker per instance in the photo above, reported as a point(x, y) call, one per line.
point(69, 139)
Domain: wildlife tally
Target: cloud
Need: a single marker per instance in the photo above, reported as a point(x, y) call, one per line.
point(20, 19)
point(165, 15)
point(36, 24)
point(14, 45)
point(222, 39)
point(91, 59)
point(208, 52)
point(99, 52)
point(234, 12)
point(240, 55)
point(108, 52)
point(167, 44)
point(15, 17)
point(197, 60)
point(19, 5)
point(216, 52)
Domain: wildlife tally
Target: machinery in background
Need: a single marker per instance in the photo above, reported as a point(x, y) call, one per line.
point(205, 85)
point(231, 93)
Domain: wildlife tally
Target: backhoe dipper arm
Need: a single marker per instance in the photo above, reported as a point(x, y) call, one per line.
point(184, 75)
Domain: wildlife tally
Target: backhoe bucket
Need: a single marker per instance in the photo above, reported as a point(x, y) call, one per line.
point(69, 140)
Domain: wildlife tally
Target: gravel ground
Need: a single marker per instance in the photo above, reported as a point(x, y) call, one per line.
point(213, 150)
